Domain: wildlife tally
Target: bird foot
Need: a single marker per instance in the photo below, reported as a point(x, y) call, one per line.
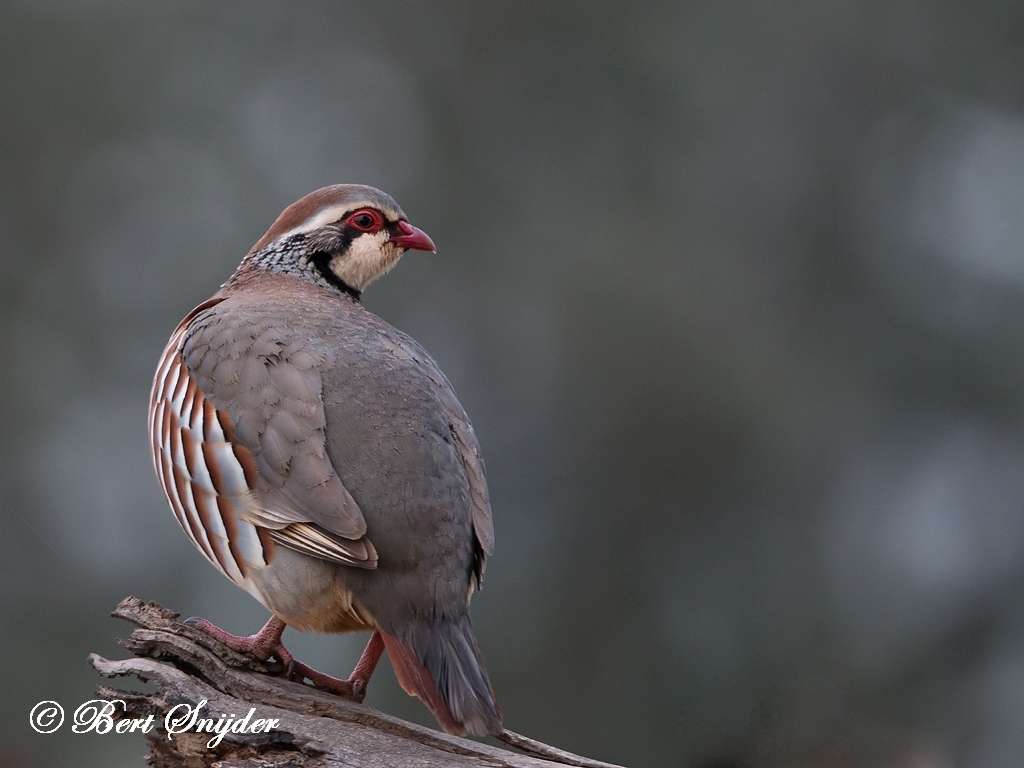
point(353, 689)
point(263, 645)
point(266, 644)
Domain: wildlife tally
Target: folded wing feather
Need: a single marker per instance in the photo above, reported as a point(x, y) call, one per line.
point(267, 390)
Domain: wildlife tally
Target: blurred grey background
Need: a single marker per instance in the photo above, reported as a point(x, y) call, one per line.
point(733, 292)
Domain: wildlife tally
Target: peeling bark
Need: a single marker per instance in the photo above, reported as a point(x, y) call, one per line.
point(314, 729)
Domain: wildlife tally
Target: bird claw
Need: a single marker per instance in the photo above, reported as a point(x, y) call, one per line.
point(275, 667)
point(300, 672)
point(358, 690)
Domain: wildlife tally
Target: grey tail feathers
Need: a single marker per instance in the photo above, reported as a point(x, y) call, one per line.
point(440, 662)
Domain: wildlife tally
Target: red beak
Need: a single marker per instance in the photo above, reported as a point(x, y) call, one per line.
point(412, 238)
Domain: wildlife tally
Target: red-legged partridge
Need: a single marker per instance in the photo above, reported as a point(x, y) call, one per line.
point(320, 460)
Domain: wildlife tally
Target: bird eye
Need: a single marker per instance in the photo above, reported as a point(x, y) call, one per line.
point(366, 220)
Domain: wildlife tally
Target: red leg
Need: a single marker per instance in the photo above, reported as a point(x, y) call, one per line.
point(355, 687)
point(267, 643)
point(360, 676)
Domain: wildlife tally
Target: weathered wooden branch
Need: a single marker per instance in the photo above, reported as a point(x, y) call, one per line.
point(314, 729)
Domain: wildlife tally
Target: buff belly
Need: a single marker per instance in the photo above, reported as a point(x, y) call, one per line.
point(308, 595)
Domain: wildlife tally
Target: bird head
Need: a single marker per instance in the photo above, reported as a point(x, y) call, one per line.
point(349, 234)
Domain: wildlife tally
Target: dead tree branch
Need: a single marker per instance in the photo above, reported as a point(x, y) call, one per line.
point(313, 730)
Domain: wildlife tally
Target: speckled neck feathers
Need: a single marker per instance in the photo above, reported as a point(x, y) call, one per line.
point(291, 256)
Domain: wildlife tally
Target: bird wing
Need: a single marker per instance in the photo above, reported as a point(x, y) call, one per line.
point(241, 402)
point(469, 449)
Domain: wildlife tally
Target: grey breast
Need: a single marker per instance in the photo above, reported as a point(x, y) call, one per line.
point(389, 434)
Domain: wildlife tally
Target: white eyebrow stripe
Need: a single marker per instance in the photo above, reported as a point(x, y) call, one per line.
point(326, 216)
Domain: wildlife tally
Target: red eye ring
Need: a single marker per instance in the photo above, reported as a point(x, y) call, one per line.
point(365, 220)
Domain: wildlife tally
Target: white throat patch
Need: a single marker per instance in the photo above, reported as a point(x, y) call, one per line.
point(368, 257)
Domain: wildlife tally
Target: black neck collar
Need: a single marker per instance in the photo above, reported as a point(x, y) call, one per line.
point(322, 263)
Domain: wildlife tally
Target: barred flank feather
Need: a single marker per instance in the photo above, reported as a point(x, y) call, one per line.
point(203, 474)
